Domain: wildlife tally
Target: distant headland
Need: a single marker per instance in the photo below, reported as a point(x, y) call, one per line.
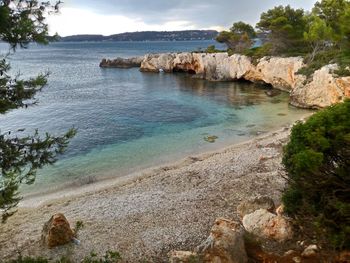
point(147, 36)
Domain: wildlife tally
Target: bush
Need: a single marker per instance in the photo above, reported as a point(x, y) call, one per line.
point(317, 160)
point(109, 257)
point(331, 56)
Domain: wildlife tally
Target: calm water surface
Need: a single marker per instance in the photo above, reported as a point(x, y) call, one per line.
point(128, 120)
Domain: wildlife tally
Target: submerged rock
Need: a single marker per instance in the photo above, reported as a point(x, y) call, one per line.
point(57, 231)
point(272, 92)
point(211, 138)
point(225, 243)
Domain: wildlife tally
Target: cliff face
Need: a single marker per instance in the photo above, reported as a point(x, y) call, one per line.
point(324, 88)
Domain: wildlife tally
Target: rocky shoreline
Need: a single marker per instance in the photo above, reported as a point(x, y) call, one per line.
point(322, 89)
point(168, 209)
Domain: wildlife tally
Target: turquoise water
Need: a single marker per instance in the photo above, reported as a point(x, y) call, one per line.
point(128, 120)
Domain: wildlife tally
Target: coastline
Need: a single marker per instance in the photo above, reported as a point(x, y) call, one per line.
point(162, 208)
point(34, 200)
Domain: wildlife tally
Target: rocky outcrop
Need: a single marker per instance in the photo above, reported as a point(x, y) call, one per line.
point(121, 62)
point(279, 72)
point(56, 231)
point(225, 243)
point(264, 224)
point(324, 89)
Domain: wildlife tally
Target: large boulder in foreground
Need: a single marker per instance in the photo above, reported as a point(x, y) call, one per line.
point(57, 231)
point(225, 243)
point(265, 224)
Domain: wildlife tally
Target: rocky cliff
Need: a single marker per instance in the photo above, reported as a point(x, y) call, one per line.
point(322, 89)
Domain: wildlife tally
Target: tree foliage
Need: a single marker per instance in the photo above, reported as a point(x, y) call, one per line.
point(22, 22)
point(318, 35)
point(331, 12)
point(239, 38)
point(317, 160)
point(285, 27)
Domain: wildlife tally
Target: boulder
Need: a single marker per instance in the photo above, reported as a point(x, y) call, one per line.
point(225, 243)
point(253, 204)
point(310, 251)
point(263, 223)
point(57, 231)
point(183, 257)
point(121, 62)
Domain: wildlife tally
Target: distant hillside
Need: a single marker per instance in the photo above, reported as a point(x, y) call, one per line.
point(148, 36)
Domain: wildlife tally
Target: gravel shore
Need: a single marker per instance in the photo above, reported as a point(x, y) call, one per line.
point(167, 208)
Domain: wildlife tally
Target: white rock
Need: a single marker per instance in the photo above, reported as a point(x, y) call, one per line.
point(267, 225)
point(309, 251)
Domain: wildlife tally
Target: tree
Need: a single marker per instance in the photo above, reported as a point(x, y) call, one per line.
point(285, 27)
point(318, 35)
point(241, 28)
point(317, 160)
point(331, 12)
point(345, 27)
point(22, 22)
point(239, 38)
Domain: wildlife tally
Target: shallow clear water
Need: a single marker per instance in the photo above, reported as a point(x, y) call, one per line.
point(128, 120)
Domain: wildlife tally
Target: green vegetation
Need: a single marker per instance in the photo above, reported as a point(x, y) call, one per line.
point(239, 38)
point(317, 160)
point(109, 257)
point(285, 27)
point(321, 36)
point(212, 49)
point(22, 22)
point(78, 226)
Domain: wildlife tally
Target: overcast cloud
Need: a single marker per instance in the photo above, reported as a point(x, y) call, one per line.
point(116, 16)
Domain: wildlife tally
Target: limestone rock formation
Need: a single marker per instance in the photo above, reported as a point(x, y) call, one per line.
point(157, 62)
point(324, 89)
point(225, 243)
point(56, 231)
point(121, 62)
point(279, 72)
point(267, 225)
point(253, 204)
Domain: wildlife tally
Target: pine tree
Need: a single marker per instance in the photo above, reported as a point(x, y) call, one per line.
point(23, 22)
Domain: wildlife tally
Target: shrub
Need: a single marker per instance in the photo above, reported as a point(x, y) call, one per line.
point(317, 160)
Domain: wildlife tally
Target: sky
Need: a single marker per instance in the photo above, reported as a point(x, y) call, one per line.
point(108, 17)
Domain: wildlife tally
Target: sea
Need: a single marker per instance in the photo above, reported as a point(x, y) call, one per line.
point(127, 120)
